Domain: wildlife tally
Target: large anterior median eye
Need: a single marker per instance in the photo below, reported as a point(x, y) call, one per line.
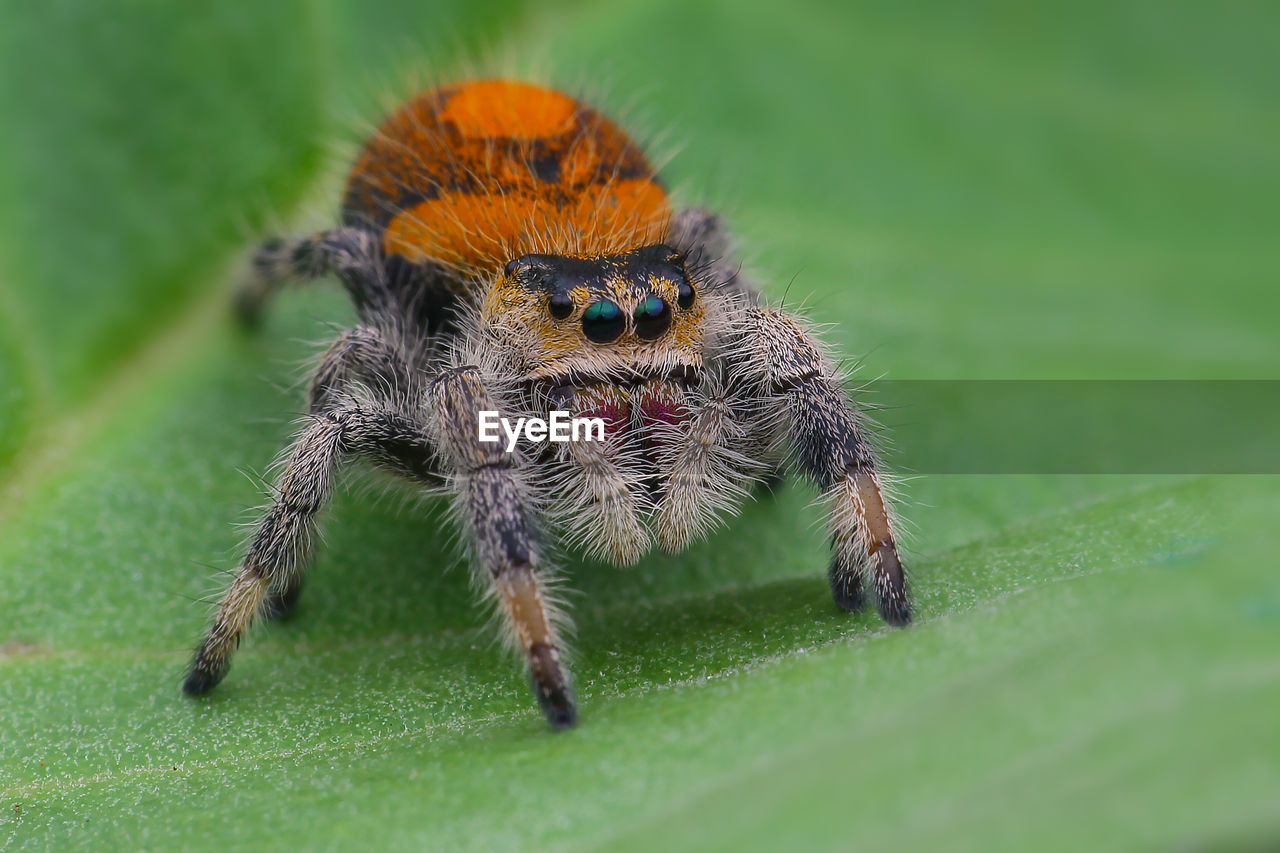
point(603, 321)
point(653, 317)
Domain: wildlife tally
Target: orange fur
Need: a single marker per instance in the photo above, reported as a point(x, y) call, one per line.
point(474, 174)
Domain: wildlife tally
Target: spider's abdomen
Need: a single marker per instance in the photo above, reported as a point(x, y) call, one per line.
point(474, 174)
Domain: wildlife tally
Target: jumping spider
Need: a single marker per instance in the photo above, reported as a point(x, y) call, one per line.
point(510, 250)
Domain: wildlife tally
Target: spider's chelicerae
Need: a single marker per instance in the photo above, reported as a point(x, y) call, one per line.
point(510, 250)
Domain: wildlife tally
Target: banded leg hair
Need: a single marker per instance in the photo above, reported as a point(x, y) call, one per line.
point(350, 252)
point(366, 361)
point(270, 577)
point(494, 504)
point(279, 549)
point(786, 369)
point(492, 499)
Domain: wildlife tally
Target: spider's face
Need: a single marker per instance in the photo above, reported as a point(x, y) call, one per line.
point(581, 317)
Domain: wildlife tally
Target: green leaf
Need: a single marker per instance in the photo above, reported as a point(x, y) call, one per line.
point(1083, 191)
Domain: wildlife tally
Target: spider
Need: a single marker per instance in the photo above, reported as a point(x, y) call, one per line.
point(509, 249)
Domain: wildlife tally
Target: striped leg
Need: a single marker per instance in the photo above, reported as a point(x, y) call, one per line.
point(278, 551)
point(494, 505)
point(831, 448)
point(351, 253)
point(365, 357)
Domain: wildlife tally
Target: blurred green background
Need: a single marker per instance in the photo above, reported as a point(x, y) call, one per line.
point(987, 190)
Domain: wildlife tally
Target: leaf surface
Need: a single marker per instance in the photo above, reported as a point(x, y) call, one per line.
point(1079, 190)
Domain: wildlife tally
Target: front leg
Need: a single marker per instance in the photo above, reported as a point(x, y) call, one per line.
point(785, 368)
point(494, 503)
point(278, 552)
point(367, 357)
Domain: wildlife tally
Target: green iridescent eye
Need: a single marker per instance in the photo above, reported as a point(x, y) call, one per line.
point(603, 321)
point(653, 317)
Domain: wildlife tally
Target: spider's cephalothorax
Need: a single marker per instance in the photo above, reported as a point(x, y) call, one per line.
point(511, 251)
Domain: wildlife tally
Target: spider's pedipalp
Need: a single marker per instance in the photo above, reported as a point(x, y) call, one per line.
point(705, 476)
point(600, 483)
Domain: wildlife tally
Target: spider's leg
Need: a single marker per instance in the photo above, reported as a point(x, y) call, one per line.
point(495, 505)
point(784, 365)
point(602, 493)
point(351, 253)
point(366, 361)
point(364, 356)
point(278, 550)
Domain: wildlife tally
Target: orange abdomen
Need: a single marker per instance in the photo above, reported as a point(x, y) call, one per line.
point(474, 174)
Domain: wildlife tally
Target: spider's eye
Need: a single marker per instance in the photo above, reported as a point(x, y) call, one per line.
point(603, 321)
point(653, 316)
point(560, 305)
point(684, 295)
